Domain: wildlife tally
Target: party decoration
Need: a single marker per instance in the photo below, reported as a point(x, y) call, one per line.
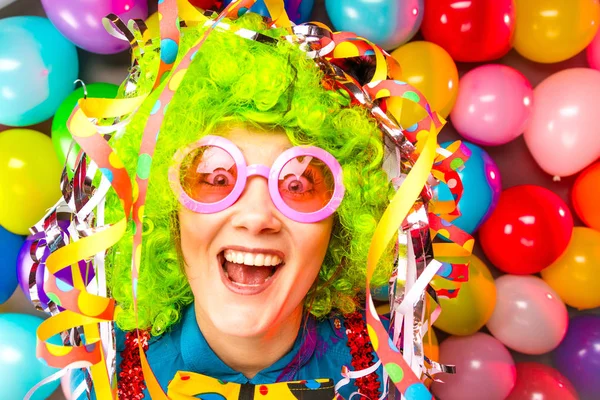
point(65, 386)
point(578, 356)
point(493, 106)
point(528, 231)
point(9, 249)
point(537, 381)
point(593, 52)
point(473, 307)
point(25, 262)
point(481, 184)
point(484, 369)
point(30, 174)
point(298, 10)
point(19, 367)
point(585, 196)
point(388, 23)
point(563, 135)
point(37, 72)
point(529, 316)
point(575, 276)
point(203, 4)
point(61, 137)
point(88, 32)
point(553, 31)
point(470, 31)
point(429, 68)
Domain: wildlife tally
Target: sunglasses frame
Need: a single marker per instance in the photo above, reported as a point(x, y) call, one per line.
point(271, 174)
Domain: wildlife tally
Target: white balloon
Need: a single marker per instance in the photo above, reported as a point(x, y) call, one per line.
point(4, 3)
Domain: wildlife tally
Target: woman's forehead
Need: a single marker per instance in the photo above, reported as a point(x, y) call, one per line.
point(258, 147)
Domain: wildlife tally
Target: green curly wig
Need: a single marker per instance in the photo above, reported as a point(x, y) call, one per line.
point(234, 81)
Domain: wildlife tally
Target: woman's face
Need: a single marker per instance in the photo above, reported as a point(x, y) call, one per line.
point(223, 251)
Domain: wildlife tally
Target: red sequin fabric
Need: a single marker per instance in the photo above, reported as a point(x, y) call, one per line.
point(131, 379)
point(361, 350)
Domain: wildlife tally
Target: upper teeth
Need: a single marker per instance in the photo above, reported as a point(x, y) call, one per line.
point(252, 259)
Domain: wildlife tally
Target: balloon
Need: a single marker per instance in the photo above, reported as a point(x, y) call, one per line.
point(473, 307)
point(484, 369)
point(493, 105)
point(528, 230)
point(429, 68)
point(388, 23)
point(476, 30)
point(575, 276)
point(81, 21)
point(586, 196)
point(529, 316)
point(553, 31)
point(298, 10)
point(204, 4)
point(482, 186)
point(537, 381)
point(563, 135)
point(24, 265)
point(30, 174)
point(65, 385)
point(9, 249)
point(578, 356)
point(37, 72)
point(593, 52)
point(19, 367)
point(61, 137)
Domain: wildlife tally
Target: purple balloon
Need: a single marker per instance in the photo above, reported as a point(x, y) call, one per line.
point(578, 355)
point(25, 263)
point(80, 21)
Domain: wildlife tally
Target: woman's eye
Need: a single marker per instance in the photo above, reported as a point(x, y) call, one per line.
point(295, 186)
point(219, 178)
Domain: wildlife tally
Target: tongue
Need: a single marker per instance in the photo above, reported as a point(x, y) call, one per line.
point(247, 275)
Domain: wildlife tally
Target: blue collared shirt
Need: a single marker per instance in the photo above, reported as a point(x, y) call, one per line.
point(320, 351)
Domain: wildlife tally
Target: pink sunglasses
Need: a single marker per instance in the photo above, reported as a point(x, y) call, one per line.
point(305, 182)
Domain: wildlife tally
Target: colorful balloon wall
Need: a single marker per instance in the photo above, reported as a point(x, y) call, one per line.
point(518, 81)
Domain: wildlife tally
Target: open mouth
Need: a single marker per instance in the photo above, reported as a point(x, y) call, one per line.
point(249, 269)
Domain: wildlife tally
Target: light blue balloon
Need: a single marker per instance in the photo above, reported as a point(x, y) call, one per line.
point(10, 245)
point(298, 10)
point(388, 23)
point(20, 369)
point(37, 69)
point(482, 186)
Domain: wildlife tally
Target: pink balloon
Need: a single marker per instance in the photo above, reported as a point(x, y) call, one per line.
point(484, 369)
point(65, 385)
point(564, 135)
point(493, 106)
point(529, 316)
point(593, 52)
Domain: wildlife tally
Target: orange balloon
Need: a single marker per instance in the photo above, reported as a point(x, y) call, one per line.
point(430, 69)
point(586, 196)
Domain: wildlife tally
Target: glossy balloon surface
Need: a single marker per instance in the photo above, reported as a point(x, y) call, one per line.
point(528, 230)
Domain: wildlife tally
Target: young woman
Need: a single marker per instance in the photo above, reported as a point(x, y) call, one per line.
point(265, 190)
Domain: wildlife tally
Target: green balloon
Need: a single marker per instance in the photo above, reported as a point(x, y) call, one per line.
point(61, 137)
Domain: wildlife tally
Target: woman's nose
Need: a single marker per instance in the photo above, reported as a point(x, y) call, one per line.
point(254, 210)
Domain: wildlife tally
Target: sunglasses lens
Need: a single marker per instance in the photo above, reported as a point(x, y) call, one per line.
point(306, 184)
point(208, 174)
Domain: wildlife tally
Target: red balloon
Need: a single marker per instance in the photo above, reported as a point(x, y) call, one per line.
point(207, 4)
point(537, 381)
point(529, 229)
point(471, 30)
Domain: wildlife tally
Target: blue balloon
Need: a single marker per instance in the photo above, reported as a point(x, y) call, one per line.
point(20, 369)
point(298, 10)
point(388, 23)
point(482, 186)
point(10, 244)
point(37, 69)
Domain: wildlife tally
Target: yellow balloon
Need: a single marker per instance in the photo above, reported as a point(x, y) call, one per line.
point(30, 177)
point(473, 307)
point(575, 276)
point(549, 31)
point(429, 68)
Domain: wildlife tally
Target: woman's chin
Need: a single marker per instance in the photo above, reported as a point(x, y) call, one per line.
point(242, 321)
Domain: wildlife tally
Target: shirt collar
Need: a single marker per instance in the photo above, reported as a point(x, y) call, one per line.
point(199, 357)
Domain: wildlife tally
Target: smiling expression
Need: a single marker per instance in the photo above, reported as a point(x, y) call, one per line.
point(249, 266)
